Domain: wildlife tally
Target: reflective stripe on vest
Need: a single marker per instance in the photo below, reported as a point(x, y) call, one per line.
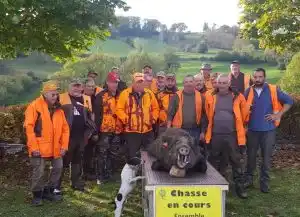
point(177, 120)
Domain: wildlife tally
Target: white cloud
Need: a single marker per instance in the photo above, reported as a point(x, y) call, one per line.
point(192, 12)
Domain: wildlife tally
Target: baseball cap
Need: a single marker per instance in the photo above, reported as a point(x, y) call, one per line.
point(92, 72)
point(75, 81)
point(147, 66)
point(161, 74)
point(235, 62)
point(170, 75)
point(206, 66)
point(112, 76)
point(49, 86)
point(138, 77)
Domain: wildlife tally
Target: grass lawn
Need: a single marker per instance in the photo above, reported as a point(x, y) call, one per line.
point(282, 201)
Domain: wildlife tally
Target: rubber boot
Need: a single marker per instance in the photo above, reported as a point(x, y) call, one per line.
point(240, 191)
point(37, 198)
point(50, 195)
point(77, 183)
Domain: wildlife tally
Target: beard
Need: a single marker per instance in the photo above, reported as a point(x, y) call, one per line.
point(259, 84)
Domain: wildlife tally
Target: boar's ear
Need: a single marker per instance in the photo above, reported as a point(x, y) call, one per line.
point(134, 161)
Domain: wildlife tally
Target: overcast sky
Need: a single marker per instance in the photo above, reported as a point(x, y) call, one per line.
point(192, 12)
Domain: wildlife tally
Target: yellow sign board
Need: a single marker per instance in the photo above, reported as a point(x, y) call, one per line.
point(185, 201)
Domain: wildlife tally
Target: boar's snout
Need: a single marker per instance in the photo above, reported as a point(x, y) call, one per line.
point(184, 150)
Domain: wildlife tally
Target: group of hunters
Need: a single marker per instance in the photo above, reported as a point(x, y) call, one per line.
point(230, 115)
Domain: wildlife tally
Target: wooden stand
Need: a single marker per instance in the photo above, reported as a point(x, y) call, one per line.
point(212, 184)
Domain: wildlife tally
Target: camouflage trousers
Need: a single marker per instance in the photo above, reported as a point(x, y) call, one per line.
point(108, 149)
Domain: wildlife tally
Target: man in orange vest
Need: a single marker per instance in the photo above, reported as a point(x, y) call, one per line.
point(239, 81)
point(106, 121)
point(163, 98)
point(226, 111)
point(150, 82)
point(267, 105)
point(78, 112)
point(138, 110)
point(206, 71)
point(186, 110)
point(47, 134)
point(200, 84)
point(161, 80)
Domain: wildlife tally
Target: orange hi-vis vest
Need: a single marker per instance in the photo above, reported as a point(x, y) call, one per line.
point(240, 110)
point(64, 99)
point(153, 86)
point(98, 90)
point(177, 120)
point(163, 99)
point(109, 117)
point(137, 116)
point(44, 133)
point(277, 107)
point(247, 79)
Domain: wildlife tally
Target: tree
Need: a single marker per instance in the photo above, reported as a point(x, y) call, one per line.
point(275, 23)
point(290, 82)
point(59, 28)
point(202, 47)
point(206, 27)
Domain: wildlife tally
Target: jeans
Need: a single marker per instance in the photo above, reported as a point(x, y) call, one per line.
point(266, 142)
point(40, 179)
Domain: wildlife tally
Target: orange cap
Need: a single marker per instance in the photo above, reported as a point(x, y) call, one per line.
point(49, 86)
point(138, 77)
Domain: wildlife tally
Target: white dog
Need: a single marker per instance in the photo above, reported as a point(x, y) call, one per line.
point(128, 182)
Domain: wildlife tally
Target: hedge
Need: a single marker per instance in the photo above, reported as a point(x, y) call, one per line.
point(12, 118)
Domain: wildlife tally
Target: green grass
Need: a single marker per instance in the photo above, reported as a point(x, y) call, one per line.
point(120, 48)
point(111, 46)
point(40, 69)
point(210, 53)
point(282, 201)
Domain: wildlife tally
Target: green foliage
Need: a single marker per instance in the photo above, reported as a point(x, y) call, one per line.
point(60, 28)
point(100, 63)
point(275, 23)
point(202, 47)
point(290, 82)
point(11, 124)
point(136, 61)
point(11, 86)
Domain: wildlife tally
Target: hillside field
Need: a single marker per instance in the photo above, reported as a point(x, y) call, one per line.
point(43, 66)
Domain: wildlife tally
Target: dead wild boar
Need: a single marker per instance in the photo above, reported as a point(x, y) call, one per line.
point(176, 152)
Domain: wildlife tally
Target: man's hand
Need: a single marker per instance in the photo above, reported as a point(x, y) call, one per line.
point(62, 152)
point(273, 117)
point(202, 137)
point(35, 154)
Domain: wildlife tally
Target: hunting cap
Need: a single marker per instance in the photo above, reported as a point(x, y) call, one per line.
point(112, 76)
point(161, 74)
point(115, 67)
point(49, 86)
point(147, 66)
point(138, 77)
point(76, 81)
point(92, 72)
point(170, 75)
point(235, 62)
point(206, 66)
